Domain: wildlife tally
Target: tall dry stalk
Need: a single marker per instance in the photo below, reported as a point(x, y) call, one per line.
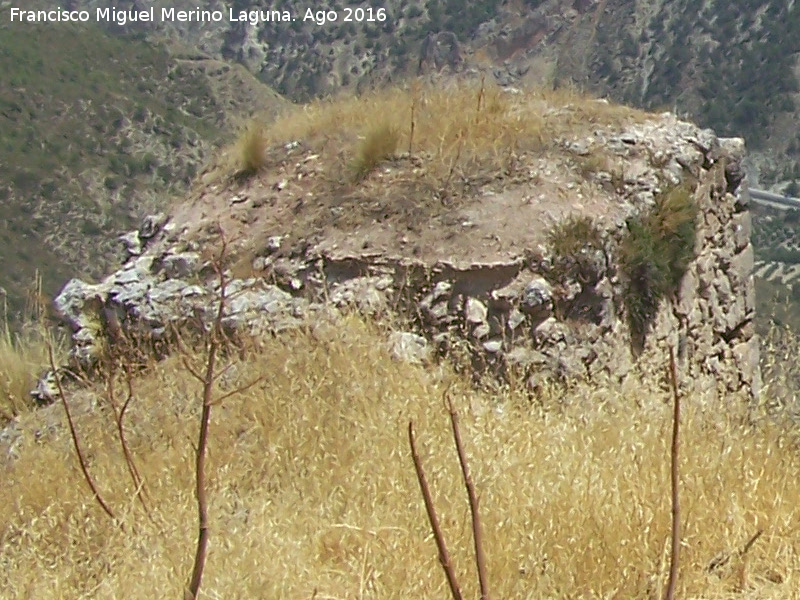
point(119, 419)
point(675, 476)
point(208, 379)
point(413, 124)
point(444, 193)
point(477, 536)
point(481, 96)
point(75, 439)
point(441, 545)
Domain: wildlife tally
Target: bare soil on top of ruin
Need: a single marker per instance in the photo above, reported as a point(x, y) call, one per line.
point(479, 214)
point(475, 174)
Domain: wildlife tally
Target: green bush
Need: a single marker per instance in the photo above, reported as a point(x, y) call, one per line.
point(655, 254)
point(413, 11)
point(112, 182)
point(575, 244)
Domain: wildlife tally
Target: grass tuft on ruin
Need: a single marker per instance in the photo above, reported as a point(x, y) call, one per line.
point(575, 244)
point(378, 145)
point(251, 151)
point(480, 126)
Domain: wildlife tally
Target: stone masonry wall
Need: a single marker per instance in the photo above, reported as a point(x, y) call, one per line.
point(510, 314)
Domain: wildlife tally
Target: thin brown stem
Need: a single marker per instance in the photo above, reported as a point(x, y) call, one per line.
point(75, 441)
point(746, 548)
point(444, 555)
point(119, 415)
point(414, 91)
point(477, 535)
point(445, 192)
point(481, 94)
point(675, 475)
point(238, 390)
point(141, 490)
point(209, 378)
point(121, 350)
point(200, 481)
point(194, 373)
point(129, 379)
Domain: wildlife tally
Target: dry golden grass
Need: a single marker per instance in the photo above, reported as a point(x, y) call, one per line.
point(20, 364)
point(600, 161)
point(463, 121)
point(250, 151)
point(23, 358)
point(313, 493)
point(378, 145)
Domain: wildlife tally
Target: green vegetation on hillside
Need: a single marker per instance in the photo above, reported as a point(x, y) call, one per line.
point(727, 66)
point(775, 235)
point(459, 17)
point(69, 99)
point(97, 130)
point(749, 77)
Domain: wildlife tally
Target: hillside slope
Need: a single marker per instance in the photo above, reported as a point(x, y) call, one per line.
point(728, 66)
point(98, 131)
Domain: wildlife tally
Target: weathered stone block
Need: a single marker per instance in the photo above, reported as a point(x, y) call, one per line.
point(475, 311)
point(741, 228)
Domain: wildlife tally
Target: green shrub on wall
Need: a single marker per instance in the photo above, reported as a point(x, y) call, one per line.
point(655, 254)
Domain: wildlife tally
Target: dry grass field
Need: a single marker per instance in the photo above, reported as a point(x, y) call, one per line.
point(21, 359)
point(466, 125)
point(311, 487)
point(313, 494)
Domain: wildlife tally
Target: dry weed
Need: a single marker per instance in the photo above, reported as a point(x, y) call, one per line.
point(22, 360)
point(379, 144)
point(478, 122)
point(251, 151)
point(313, 492)
point(24, 355)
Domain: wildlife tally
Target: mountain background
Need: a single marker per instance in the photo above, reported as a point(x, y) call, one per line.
point(99, 130)
point(90, 145)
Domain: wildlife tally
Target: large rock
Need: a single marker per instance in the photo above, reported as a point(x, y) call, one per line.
point(537, 299)
point(410, 347)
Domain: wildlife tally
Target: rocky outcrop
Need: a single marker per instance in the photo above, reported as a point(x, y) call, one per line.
point(538, 313)
point(439, 51)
